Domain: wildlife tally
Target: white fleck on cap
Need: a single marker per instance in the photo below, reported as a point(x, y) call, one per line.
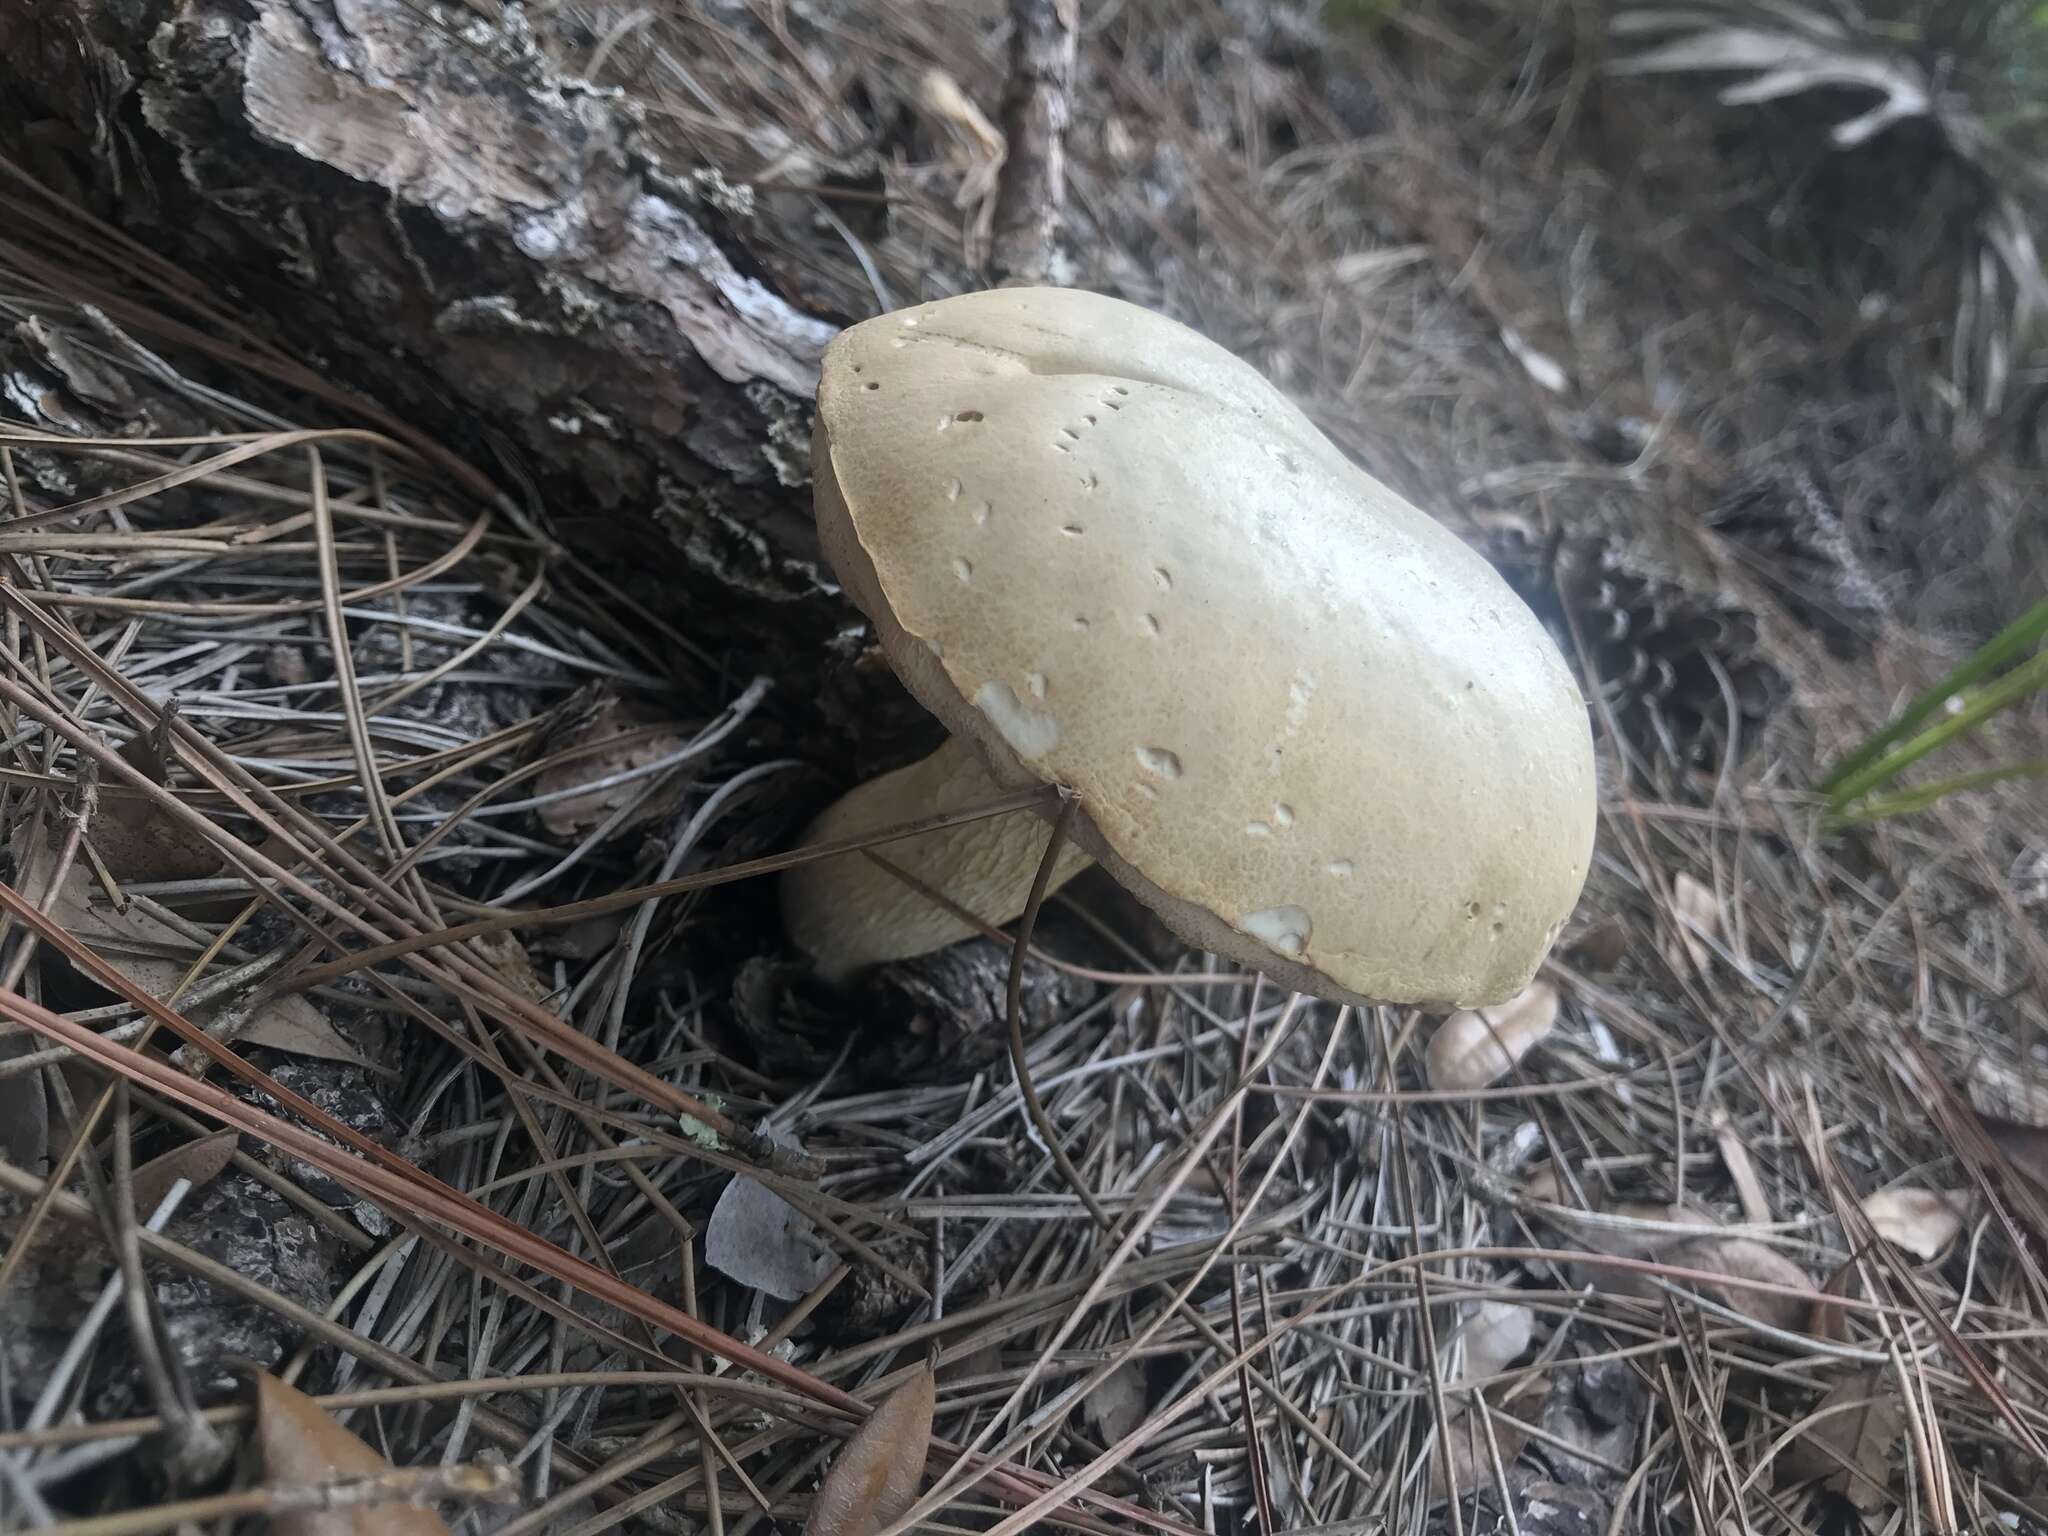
point(1307, 725)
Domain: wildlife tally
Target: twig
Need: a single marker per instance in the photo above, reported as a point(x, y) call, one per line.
point(1031, 193)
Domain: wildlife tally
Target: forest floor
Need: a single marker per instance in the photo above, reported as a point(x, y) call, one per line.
point(1749, 1241)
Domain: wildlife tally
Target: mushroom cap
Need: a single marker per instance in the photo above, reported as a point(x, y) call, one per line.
point(1307, 725)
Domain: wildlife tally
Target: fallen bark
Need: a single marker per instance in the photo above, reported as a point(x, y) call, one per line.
point(422, 205)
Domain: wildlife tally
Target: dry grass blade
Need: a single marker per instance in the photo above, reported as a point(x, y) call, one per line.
point(874, 1478)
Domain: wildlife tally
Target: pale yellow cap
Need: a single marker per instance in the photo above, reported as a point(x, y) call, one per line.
point(1307, 725)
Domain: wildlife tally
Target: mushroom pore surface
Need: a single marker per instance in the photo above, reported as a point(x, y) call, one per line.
point(1307, 724)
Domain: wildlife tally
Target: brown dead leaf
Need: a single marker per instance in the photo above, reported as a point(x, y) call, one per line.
point(1849, 1441)
point(584, 940)
point(302, 1445)
point(874, 1478)
point(1994, 1089)
point(1542, 1182)
point(138, 840)
point(1695, 917)
point(1601, 946)
point(24, 1111)
point(508, 957)
point(2024, 1146)
point(1828, 1318)
point(1636, 1230)
point(1744, 1259)
point(1494, 1333)
point(1749, 1189)
point(607, 736)
point(1921, 1221)
point(1118, 1403)
point(1477, 1047)
point(1465, 1439)
point(198, 1162)
point(143, 949)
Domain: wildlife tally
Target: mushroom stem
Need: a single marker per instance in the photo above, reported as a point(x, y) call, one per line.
point(848, 913)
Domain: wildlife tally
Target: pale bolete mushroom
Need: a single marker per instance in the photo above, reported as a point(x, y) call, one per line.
point(1306, 724)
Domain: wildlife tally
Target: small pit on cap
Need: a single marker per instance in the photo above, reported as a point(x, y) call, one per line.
point(1341, 869)
point(1285, 929)
point(1159, 761)
point(1030, 732)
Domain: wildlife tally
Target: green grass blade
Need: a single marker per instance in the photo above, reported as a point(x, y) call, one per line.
point(2023, 681)
point(2014, 640)
point(1907, 801)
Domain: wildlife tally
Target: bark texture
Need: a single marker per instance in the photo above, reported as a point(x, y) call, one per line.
point(1031, 195)
point(426, 208)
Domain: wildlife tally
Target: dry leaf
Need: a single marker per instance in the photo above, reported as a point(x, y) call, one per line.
point(940, 95)
point(294, 1025)
point(1696, 917)
point(1749, 1188)
point(2024, 1146)
point(1119, 1402)
point(1602, 946)
point(138, 946)
point(1850, 1440)
point(759, 1239)
point(1828, 1319)
point(1631, 1231)
point(138, 840)
point(302, 1445)
point(1494, 1333)
point(1465, 1437)
point(1918, 1220)
point(1477, 1047)
point(508, 958)
point(875, 1476)
point(1997, 1090)
point(24, 1111)
point(639, 739)
point(199, 1163)
point(1742, 1258)
point(1542, 1182)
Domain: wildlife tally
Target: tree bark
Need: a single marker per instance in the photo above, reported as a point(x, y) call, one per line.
point(423, 206)
point(1032, 192)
